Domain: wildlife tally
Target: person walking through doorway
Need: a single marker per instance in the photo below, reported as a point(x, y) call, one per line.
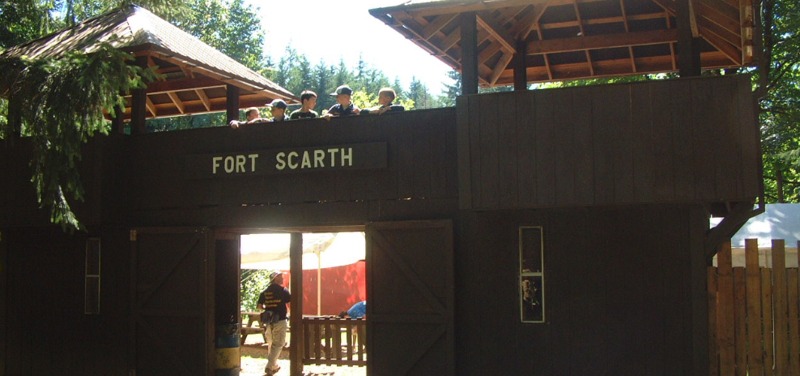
point(273, 301)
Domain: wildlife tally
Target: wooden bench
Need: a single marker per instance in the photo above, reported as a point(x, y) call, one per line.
point(334, 341)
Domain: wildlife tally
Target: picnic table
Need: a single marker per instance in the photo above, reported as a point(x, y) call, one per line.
point(251, 324)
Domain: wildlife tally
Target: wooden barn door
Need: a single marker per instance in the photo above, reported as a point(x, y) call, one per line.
point(410, 298)
point(172, 316)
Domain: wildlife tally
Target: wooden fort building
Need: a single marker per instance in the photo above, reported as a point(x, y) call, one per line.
point(533, 232)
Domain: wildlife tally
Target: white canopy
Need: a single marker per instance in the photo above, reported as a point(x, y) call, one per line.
point(778, 221)
point(320, 250)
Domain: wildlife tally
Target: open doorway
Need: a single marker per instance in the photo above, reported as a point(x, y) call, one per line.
point(333, 281)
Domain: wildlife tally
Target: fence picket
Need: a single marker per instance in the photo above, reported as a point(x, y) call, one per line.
point(780, 312)
point(755, 337)
point(713, 341)
point(725, 311)
point(767, 322)
point(794, 331)
point(740, 318)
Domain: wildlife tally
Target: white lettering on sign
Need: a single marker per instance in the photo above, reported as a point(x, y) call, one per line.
point(234, 164)
point(293, 160)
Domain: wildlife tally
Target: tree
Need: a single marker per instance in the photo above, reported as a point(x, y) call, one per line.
point(777, 90)
point(61, 103)
point(418, 92)
point(451, 91)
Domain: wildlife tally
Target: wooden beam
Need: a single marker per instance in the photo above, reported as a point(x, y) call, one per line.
point(151, 107)
point(177, 101)
point(529, 23)
point(501, 66)
point(627, 30)
point(296, 345)
point(437, 25)
point(520, 67)
point(495, 31)
point(203, 98)
point(602, 41)
point(232, 104)
point(139, 104)
point(583, 33)
point(201, 82)
point(688, 46)
point(117, 120)
point(455, 7)
point(469, 53)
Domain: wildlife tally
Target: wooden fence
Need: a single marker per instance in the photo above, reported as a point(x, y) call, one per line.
point(753, 314)
point(334, 341)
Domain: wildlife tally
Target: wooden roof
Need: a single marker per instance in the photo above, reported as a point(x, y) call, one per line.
point(571, 39)
point(195, 74)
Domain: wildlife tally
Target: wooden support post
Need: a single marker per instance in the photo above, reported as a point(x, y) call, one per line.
point(232, 103)
point(521, 67)
point(469, 53)
point(14, 116)
point(688, 41)
point(139, 104)
point(296, 318)
point(117, 123)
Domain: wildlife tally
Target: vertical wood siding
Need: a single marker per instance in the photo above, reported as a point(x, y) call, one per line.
point(686, 140)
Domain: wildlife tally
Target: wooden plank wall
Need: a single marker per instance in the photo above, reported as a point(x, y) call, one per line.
point(754, 327)
point(142, 179)
point(672, 141)
point(615, 304)
point(46, 329)
point(421, 172)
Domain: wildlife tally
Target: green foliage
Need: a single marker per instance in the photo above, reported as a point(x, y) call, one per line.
point(23, 20)
point(3, 118)
point(231, 27)
point(294, 72)
point(777, 86)
point(62, 103)
point(253, 283)
point(452, 90)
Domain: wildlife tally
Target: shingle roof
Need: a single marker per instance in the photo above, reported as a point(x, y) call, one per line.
point(196, 73)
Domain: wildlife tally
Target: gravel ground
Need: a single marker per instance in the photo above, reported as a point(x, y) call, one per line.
point(254, 359)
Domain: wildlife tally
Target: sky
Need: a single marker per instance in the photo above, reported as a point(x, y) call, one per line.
point(344, 30)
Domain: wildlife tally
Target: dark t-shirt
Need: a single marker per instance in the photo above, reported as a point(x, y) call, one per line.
point(297, 114)
point(274, 298)
point(338, 110)
point(392, 108)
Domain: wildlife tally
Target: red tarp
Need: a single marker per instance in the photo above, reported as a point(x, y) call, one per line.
point(342, 286)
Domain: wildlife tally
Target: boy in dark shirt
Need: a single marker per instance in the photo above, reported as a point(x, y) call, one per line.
point(308, 100)
point(278, 109)
point(343, 106)
point(385, 98)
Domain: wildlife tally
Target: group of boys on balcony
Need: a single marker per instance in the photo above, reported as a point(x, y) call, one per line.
point(308, 100)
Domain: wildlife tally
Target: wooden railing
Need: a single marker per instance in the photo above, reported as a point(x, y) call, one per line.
point(754, 325)
point(334, 341)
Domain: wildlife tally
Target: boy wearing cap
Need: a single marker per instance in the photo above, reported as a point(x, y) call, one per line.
point(343, 106)
point(278, 109)
point(253, 117)
point(308, 100)
point(273, 300)
point(385, 98)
